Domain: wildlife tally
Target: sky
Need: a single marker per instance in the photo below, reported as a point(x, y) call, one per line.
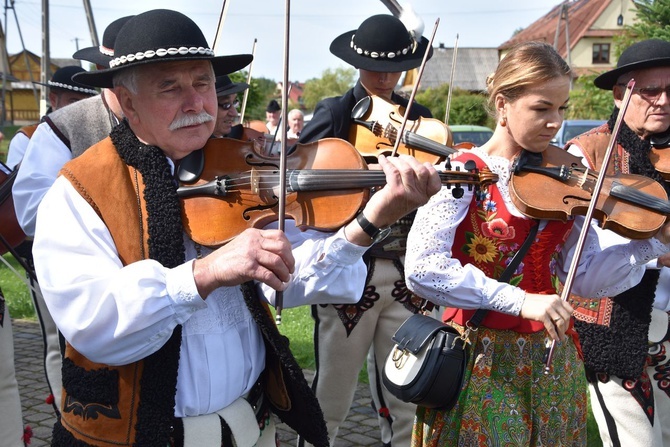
point(313, 25)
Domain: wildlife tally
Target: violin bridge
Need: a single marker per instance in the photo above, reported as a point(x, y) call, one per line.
point(583, 178)
point(254, 181)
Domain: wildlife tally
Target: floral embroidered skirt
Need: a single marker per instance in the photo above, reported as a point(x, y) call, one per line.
point(507, 398)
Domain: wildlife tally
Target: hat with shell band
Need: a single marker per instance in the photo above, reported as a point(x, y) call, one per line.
point(644, 54)
point(101, 55)
point(160, 35)
point(225, 86)
point(62, 79)
point(381, 43)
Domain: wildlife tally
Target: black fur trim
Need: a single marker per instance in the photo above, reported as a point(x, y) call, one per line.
point(638, 149)
point(101, 385)
point(61, 436)
point(166, 245)
point(621, 348)
point(305, 415)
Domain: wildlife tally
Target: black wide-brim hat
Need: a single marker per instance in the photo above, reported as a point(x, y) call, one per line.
point(160, 35)
point(381, 43)
point(62, 79)
point(101, 55)
point(225, 86)
point(645, 54)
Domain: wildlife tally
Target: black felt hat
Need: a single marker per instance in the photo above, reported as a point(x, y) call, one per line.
point(225, 86)
point(62, 79)
point(645, 54)
point(381, 43)
point(161, 35)
point(273, 106)
point(101, 55)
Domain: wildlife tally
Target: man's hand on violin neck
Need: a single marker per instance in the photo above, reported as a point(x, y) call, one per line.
point(261, 255)
point(409, 184)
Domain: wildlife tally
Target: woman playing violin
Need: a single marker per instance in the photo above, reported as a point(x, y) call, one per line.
point(456, 250)
point(346, 333)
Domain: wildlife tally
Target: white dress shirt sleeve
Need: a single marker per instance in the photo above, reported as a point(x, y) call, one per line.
point(45, 156)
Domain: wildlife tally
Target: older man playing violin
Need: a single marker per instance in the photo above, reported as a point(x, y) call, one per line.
point(625, 338)
point(169, 342)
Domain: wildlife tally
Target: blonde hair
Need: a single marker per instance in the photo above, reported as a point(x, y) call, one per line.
point(526, 64)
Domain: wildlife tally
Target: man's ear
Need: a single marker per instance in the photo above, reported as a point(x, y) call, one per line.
point(126, 98)
point(53, 99)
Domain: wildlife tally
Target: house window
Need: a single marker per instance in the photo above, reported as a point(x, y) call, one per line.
point(601, 53)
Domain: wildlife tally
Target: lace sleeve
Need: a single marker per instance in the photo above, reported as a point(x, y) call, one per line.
point(432, 272)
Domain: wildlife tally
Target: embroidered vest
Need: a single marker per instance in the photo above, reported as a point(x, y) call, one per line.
point(613, 332)
point(133, 404)
point(488, 239)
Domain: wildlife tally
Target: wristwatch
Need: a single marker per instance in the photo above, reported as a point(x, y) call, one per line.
point(376, 234)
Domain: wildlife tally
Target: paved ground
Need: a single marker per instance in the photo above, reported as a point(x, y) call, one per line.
point(359, 429)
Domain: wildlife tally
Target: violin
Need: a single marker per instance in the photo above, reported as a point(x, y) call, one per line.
point(228, 186)
point(377, 122)
point(659, 157)
point(265, 142)
point(10, 230)
point(554, 184)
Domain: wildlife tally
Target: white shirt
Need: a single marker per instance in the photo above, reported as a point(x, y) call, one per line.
point(434, 274)
point(45, 155)
point(117, 315)
point(17, 149)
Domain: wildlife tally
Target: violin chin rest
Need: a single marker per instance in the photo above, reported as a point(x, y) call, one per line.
point(191, 167)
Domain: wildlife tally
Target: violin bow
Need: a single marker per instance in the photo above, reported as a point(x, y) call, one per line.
point(219, 27)
point(567, 285)
point(414, 89)
point(246, 92)
point(451, 82)
point(279, 297)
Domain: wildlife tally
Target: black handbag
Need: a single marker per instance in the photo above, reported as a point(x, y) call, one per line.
point(427, 365)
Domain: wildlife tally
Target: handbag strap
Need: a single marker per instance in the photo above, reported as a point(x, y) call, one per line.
point(478, 317)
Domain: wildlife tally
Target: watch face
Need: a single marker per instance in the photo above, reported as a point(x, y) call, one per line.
point(383, 234)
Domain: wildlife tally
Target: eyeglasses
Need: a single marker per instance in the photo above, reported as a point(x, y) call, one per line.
point(228, 105)
point(651, 93)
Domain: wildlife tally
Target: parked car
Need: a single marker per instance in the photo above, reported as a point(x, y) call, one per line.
point(571, 128)
point(476, 135)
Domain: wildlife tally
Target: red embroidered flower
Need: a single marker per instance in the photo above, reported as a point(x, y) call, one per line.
point(498, 228)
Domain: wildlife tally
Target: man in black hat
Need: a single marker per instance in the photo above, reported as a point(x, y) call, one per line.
point(63, 91)
point(272, 115)
point(625, 338)
point(227, 115)
point(382, 48)
point(64, 134)
point(168, 341)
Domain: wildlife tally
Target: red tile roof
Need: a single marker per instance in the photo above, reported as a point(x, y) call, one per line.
point(581, 16)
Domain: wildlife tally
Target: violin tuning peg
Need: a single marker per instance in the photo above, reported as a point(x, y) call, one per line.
point(470, 166)
point(447, 165)
point(457, 192)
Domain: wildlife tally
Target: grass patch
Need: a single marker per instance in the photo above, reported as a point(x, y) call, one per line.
point(16, 292)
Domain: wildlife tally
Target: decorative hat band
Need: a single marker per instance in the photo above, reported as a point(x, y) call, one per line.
point(162, 52)
point(380, 54)
point(106, 51)
point(72, 87)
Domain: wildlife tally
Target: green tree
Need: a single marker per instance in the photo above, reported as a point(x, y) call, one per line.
point(331, 83)
point(652, 22)
point(261, 91)
point(588, 101)
point(465, 108)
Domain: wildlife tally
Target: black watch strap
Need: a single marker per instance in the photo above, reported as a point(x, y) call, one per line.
point(367, 226)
